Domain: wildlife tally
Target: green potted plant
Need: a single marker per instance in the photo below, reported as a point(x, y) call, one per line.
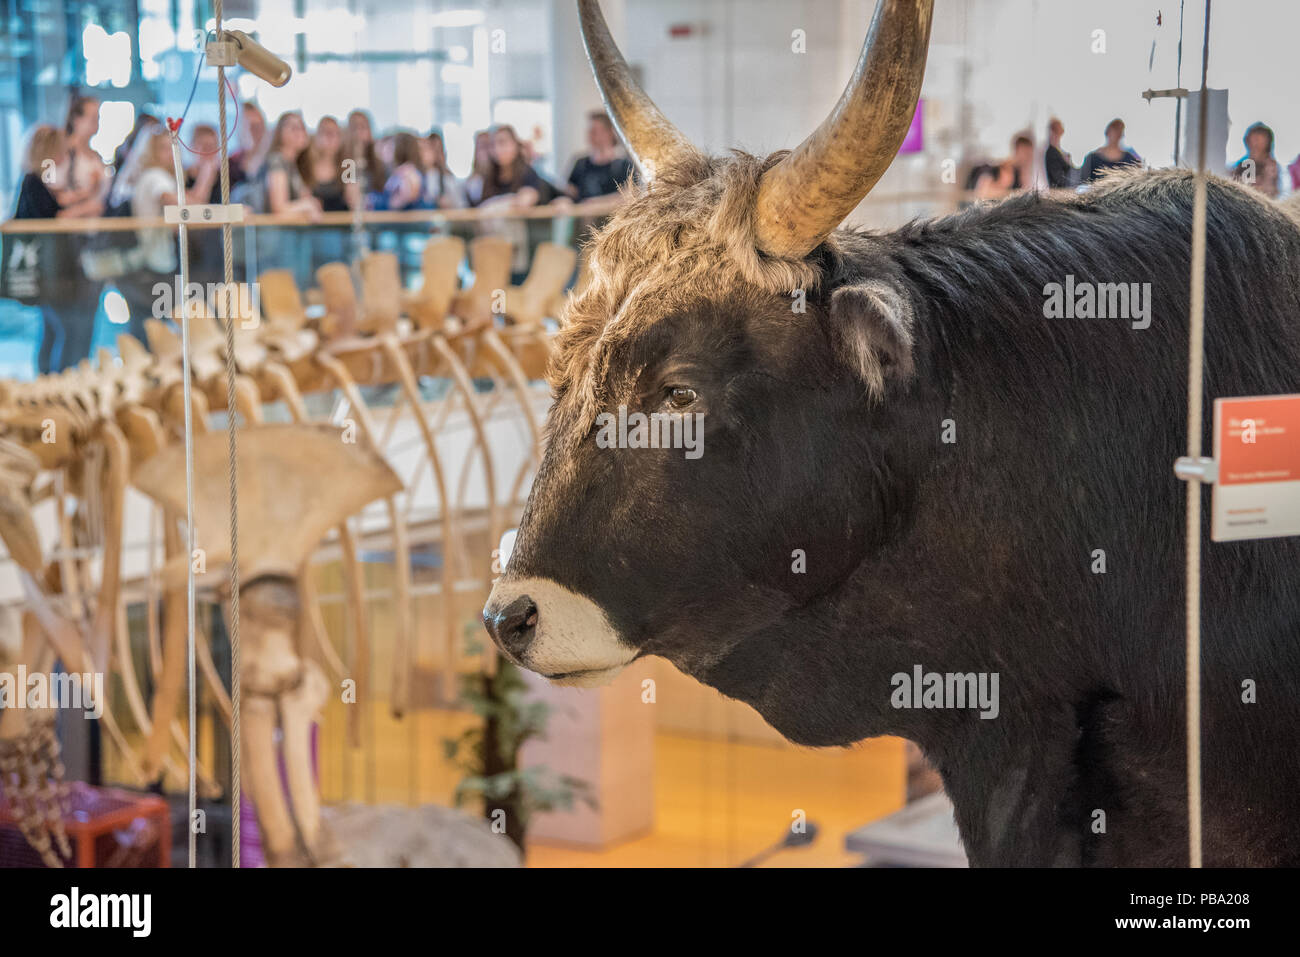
point(489, 752)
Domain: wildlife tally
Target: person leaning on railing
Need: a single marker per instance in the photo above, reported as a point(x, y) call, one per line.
point(1057, 164)
point(441, 188)
point(359, 147)
point(1259, 168)
point(321, 167)
point(404, 188)
point(511, 179)
point(203, 168)
point(85, 183)
point(154, 260)
point(1013, 174)
point(602, 171)
point(597, 176)
point(481, 169)
point(510, 184)
point(254, 143)
point(1110, 155)
point(285, 193)
point(41, 269)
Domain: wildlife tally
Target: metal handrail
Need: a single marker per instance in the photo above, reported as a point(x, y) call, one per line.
point(346, 218)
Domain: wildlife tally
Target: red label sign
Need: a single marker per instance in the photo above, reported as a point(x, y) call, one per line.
point(1257, 447)
point(1258, 440)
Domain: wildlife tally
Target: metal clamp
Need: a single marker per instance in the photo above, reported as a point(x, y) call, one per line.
point(1203, 470)
point(198, 213)
point(222, 53)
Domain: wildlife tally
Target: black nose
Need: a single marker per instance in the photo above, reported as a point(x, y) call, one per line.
point(513, 626)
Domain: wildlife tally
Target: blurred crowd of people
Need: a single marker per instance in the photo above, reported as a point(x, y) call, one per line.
point(301, 173)
point(285, 169)
point(1028, 168)
point(291, 169)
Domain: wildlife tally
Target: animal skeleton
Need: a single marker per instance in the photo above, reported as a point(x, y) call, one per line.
point(89, 432)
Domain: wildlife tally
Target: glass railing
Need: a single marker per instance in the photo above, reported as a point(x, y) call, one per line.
point(70, 287)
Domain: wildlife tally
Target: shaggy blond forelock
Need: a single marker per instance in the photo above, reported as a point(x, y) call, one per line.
point(690, 234)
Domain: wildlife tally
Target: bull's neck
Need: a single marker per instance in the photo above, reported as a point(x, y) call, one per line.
point(970, 566)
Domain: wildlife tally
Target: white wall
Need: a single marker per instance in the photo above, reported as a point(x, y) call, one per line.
point(995, 67)
point(572, 89)
point(735, 82)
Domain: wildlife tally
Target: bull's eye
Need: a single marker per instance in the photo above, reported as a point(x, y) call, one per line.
point(681, 398)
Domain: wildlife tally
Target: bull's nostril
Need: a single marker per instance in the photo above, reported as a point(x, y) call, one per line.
point(512, 626)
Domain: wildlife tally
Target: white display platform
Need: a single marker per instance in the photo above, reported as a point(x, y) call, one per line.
point(923, 834)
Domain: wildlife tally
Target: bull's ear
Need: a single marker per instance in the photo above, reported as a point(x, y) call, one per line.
point(872, 330)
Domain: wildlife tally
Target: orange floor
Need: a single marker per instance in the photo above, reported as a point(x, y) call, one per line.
point(718, 803)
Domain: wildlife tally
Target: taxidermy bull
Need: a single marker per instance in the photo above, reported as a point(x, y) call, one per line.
point(914, 467)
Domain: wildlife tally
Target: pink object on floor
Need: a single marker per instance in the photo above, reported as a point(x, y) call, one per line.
point(250, 836)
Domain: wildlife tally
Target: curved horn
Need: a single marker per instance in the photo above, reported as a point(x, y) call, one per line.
point(650, 137)
point(808, 193)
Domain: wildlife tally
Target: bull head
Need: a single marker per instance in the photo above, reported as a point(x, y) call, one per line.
point(718, 298)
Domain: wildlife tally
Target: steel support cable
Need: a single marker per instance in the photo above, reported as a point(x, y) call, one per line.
point(227, 311)
point(1195, 425)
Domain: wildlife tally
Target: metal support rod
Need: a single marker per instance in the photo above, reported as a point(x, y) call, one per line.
point(1195, 426)
point(1178, 109)
point(189, 489)
point(228, 276)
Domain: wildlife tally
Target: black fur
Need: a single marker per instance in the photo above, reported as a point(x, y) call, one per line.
point(974, 556)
